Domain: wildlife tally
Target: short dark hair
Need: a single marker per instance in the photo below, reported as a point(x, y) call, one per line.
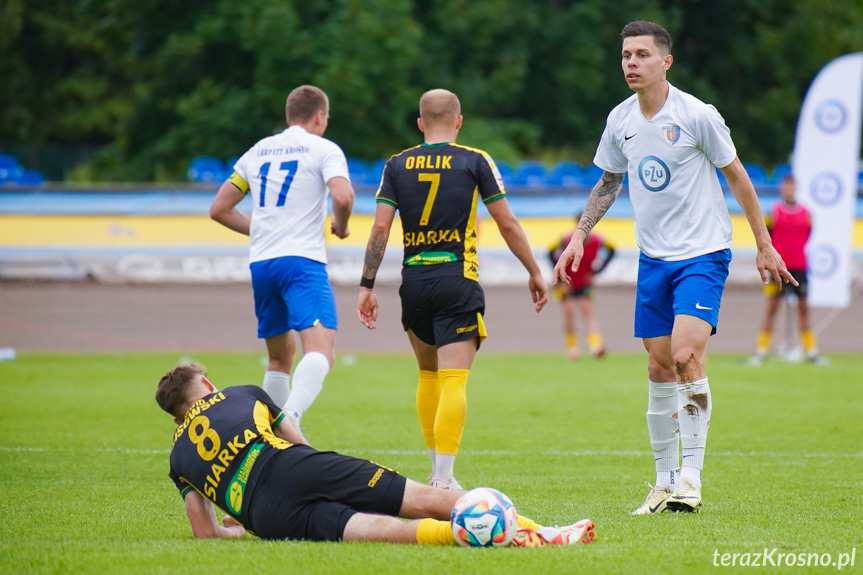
point(661, 37)
point(303, 103)
point(173, 389)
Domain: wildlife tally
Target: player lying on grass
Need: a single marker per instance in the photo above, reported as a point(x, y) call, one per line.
point(235, 448)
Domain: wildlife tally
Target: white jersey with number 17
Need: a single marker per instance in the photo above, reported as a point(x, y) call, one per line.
point(287, 177)
point(671, 160)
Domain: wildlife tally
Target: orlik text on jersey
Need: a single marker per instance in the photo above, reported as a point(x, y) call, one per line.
point(428, 162)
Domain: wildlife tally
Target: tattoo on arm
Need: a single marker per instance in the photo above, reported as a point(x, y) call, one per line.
point(601, 197)
point(374, 255)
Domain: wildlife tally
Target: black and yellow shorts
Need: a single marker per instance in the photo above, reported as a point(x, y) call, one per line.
point(443, 310)
point(772, 288)
point(308, 494)
point(567, 292)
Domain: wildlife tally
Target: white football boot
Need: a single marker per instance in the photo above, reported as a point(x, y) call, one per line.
point(655, 501)
point(686, 498)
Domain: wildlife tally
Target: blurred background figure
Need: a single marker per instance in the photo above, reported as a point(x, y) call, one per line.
point(790, 225)
point(578, 295)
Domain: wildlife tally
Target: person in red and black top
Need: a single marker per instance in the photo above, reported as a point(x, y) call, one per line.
point(435, 187)
point(579, 293)
point(790, 225)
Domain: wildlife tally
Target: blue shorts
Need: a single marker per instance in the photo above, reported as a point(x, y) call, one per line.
point(687, 287)
point(292, 292)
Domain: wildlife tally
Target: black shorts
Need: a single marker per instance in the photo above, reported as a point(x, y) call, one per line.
point(308, 494)
point(443, 310)
point(772, 289)
point(574, 293)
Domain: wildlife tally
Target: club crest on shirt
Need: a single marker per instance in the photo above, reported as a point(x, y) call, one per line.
point(672, 133)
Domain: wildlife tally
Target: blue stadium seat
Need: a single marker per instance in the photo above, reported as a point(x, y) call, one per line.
point(375, 172)
point(590, 175)
point(229, 168)
point(565, 175)
point(33, 178)
point(779, 172)
point(505, 171)
point(206, 169)
point(358, 169)
point(529, 174)
point(757, 173)
point(10, 168)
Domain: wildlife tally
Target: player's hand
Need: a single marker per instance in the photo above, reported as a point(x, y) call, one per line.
point(337, 230)
point(571, 256)
point(367, 307)
point(770, 263)
point(234, 529)
point(538, 291)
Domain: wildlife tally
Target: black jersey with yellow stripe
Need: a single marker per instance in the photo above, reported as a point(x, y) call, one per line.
point(435, 189)
point(222, 445)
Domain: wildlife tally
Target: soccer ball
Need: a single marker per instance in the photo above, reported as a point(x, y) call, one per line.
point(484, 517)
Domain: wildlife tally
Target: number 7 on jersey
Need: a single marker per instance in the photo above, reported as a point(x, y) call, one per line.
point(435, 183)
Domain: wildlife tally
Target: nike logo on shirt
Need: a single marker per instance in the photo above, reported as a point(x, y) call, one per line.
point(625, 137)
point(699, 306)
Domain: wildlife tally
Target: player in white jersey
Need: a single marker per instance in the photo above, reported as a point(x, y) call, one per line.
point(670, 144)
point(288, 176)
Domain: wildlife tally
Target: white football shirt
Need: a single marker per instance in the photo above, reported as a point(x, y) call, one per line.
point(287, 177)
point(671, 160)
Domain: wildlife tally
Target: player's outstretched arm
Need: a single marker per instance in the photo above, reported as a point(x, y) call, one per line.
point(767, 259)
point(202, 517)
point(367, 302)
point(342, 193)
point(517, 242)
point(601, 197)
point(224, 208)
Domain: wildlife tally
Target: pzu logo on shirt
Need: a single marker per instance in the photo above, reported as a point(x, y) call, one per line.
point(653, 173)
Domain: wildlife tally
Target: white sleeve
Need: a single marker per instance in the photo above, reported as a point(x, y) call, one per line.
point(243, 164)
point(714, 137)
point(609, 156)
point(333, 163)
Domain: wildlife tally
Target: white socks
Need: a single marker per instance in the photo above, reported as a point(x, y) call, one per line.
point(694, 407)
point(443, 465)
point(307, 382)
point(662, 427)
point(277, 384)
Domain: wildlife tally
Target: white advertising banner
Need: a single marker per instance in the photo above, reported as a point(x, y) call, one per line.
point(826, 162)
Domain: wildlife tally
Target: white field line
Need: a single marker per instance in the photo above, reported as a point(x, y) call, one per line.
point(482, 452)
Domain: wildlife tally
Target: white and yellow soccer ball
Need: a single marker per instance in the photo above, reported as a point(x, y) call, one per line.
point(484, 517)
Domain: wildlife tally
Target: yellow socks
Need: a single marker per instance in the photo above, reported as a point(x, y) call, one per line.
point(763, 342)
point(528, 523)
point(810, 344)
point(452, 410)
point(435, 532)
point(428, 397)
point(594, 342)
point(571, 340)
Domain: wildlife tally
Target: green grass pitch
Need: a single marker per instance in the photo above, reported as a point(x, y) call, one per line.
point(85, 488)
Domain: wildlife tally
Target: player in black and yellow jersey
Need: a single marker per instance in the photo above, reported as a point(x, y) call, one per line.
point(235, 448)
point(435, 187)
